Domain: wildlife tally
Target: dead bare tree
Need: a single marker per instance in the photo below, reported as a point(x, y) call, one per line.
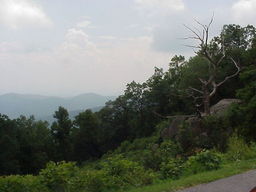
point(209, 85)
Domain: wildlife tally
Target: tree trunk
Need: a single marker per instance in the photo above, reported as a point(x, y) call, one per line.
point(207, 105)
point(206, 100)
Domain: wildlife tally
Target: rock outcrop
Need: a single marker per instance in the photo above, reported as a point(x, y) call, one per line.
point(194, 122)
point(173, 129)
point(223, 105)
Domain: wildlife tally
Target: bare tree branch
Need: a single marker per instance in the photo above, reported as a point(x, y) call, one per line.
point(202, 81)
point(221, 59)
point(196, 38)
point(199, 32)
point(233, 75)
point(214, 89)
point(196, 90)
point(197, 35)
point(191, 46)
point(175, 116)
point(159, 115)
point(210, 23)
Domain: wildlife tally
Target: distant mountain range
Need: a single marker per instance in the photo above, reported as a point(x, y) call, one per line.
point(43, 107)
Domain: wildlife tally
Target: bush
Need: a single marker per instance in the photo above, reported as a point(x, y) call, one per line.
point(113, 174)
point(185, 137)
point(16, 183)
point(171, 169)
point(89, 181)
point(239, 150)
point(135, 145)
point(161, 126)
point(150, 159)
point(218, 130)
point(168, 149)
point(123, 173)
point(58, 176)
point(157, 154)
point(203, 161)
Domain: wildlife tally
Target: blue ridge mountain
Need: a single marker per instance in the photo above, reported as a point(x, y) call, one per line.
point(42, 107)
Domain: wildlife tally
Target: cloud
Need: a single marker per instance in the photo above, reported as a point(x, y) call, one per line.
point(166, 18)
point(108, 37)
point(244, 11)
point(81, 63)
point(20, 13)
point(6, 47)
point(107, 64)
point(160, 6)
point(77, 40)
point(83, 24)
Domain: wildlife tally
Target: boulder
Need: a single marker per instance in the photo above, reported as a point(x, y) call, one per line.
point(223, 105)
point(173, 129)
point(195, 125)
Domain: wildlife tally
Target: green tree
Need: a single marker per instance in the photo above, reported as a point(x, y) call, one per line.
point(9, 147)
point(243, 116)
point(140, 121)
point(87, 136)
point(35, 143)
point(61, 132)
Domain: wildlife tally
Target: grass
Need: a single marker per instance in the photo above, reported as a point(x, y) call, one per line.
point(225, 171)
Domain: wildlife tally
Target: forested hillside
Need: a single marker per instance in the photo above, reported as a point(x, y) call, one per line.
point(122, 145)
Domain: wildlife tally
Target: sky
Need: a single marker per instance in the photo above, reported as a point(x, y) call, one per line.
point(66, 48)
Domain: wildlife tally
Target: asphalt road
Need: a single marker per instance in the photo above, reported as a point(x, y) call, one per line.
point(237, 183)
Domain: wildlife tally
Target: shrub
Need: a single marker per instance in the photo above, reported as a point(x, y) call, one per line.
point(168, 149)
point(161, 126)
point(151, 159)
point(58, 176)
point(171, 169)
point(218, 130)
point(156, 154)
point(135, 145)
point(89, 181)
point(16, 183)
point(203, 161)
point(123, 173)
point(239, 150)
point(185, 137)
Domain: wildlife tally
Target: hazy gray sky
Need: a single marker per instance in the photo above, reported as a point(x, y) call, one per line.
point(64, 47)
